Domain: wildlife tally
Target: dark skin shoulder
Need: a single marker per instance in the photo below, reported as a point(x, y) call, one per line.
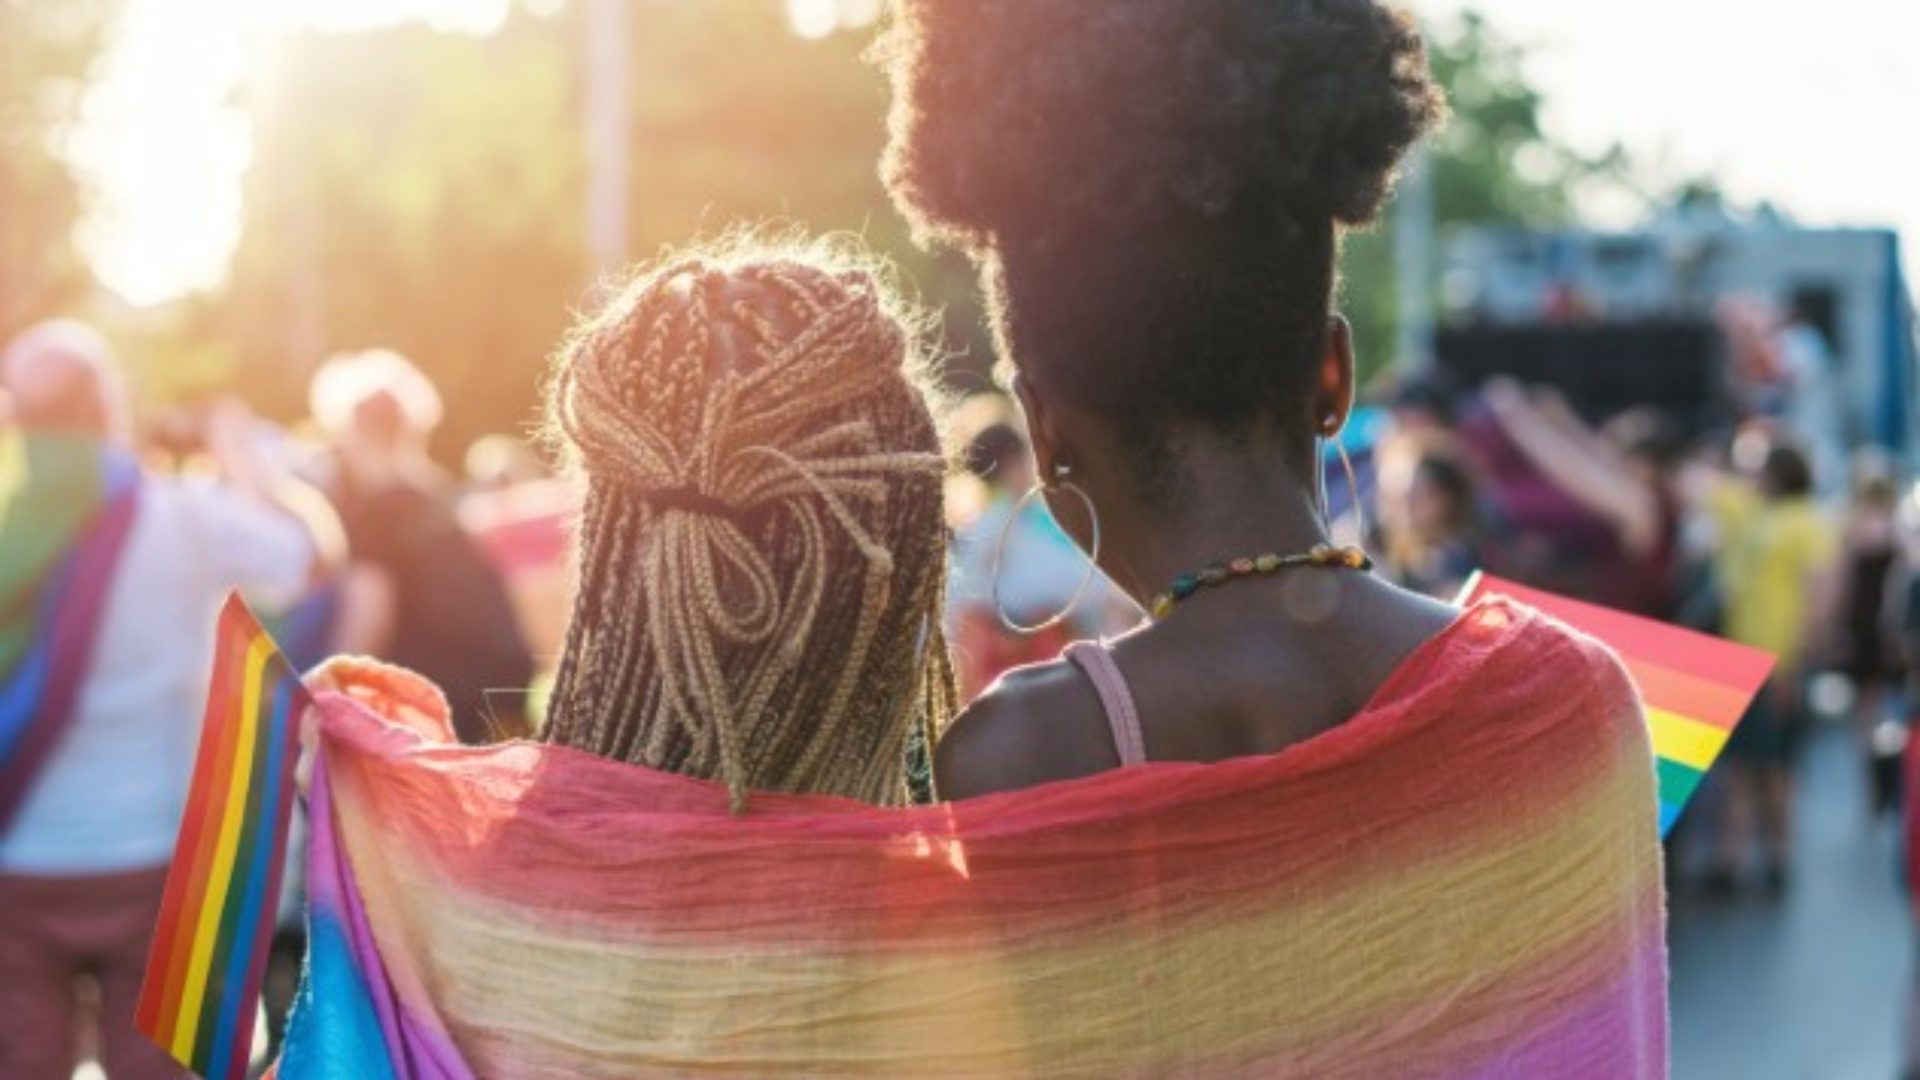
point(1246, 670)
point(996, 745)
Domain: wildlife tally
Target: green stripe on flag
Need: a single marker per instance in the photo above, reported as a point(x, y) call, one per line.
point(1678, 782)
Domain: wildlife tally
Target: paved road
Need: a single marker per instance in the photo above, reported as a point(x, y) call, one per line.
point(1813, 986)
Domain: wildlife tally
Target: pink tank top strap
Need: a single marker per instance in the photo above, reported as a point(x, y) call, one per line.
point(1115, 699)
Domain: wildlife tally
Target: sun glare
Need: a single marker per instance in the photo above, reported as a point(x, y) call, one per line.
point(164, 144)
point(816, 19)
point(813, 19)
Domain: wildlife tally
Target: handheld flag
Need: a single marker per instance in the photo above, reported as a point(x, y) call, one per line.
point(210, 947)
point(1695, 688)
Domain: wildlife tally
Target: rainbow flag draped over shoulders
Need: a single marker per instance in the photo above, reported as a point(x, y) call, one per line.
point(1463, 881)
point(67, 506)
point(1695, 688)
point(210, 946)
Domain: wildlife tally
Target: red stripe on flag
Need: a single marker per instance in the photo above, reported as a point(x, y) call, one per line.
point(1734, 666)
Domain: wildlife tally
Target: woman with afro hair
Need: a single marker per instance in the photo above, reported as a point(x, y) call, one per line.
point(1154, 193)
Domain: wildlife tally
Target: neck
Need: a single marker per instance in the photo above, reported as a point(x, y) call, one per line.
point(1150, 544)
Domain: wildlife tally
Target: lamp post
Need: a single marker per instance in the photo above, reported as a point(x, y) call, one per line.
point(608, 130)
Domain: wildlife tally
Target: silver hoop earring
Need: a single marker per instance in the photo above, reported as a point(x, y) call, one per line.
point(1353, 492)
point(1353, 488)
point(1324, 503)
point(1061, 482)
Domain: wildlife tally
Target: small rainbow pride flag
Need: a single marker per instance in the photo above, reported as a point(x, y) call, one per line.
point(1695, 687)
point(210, 947)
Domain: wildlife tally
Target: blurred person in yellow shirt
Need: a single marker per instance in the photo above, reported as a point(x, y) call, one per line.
point(1775, 556)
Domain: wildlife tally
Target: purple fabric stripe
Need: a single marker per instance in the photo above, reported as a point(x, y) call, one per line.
point(20, 698)
point(414, 1048)
point(1623, 1017)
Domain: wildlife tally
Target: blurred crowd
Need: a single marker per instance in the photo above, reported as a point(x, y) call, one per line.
point(1760, 525)
point(342, 529)
point(1725, 532)
point(355, 538)
point(1767, 526)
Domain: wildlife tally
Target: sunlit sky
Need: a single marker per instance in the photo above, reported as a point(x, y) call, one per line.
point(1809, 106)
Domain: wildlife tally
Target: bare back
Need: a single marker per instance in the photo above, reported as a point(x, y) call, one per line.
point(1247, 673)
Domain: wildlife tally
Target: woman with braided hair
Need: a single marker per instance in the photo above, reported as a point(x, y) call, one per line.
point(762, 554)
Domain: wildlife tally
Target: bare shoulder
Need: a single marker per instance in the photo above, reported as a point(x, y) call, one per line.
point(1611, 682)
point(1036, 725)
point(1568, 666)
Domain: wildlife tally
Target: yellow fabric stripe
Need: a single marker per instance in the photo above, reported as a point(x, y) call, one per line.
point(1687, 741)
point(220, 873)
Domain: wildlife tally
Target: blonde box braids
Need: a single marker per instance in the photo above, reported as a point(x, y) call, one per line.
point(762, 551)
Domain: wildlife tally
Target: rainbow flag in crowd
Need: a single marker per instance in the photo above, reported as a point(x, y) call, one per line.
point(1696, 688)
point(67, 506)
point(210, 948)
point(1462, 881)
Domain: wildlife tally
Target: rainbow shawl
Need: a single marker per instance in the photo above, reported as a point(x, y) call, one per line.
point(1463, 881)
point(66, 509)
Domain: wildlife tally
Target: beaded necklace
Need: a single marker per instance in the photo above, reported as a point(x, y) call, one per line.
point(1216, 574)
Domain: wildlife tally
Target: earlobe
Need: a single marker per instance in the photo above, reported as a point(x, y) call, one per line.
point(1336, 390)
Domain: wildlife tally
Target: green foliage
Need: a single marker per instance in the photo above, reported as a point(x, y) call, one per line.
point(1494, 163)
point(736, 119)
point(47, 52)
point(416, 190)
point(427, 191)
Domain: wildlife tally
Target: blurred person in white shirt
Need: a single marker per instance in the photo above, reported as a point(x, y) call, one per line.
point(83, 859)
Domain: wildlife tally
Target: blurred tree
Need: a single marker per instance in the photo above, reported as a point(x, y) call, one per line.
point(738, 118)
point(1494, 163)
point(47, 52)
point(426, 190)
point(412, 189)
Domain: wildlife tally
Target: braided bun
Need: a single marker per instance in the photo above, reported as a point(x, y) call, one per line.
point(762, 538)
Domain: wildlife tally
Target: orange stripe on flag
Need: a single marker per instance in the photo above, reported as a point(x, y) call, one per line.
point(1710, 703)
